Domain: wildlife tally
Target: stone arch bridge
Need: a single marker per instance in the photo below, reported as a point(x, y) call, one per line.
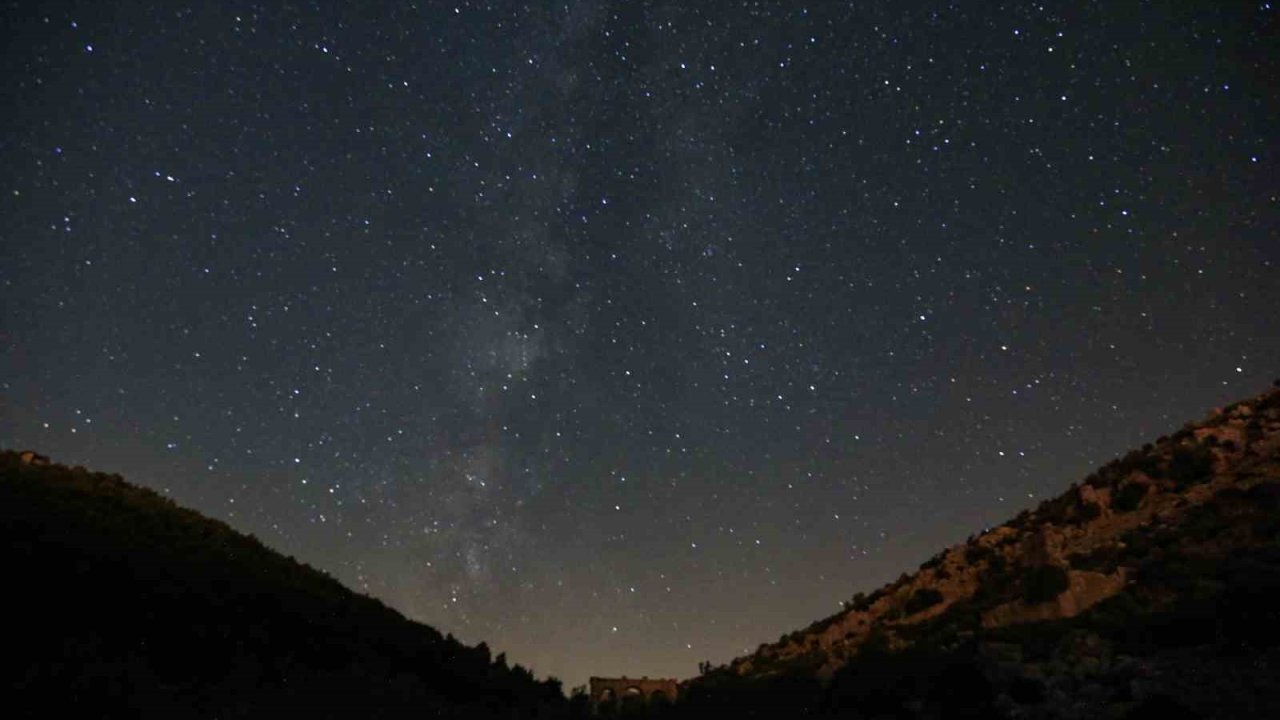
point(614, 694)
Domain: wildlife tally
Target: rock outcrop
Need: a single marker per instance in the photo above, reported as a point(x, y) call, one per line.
point(1059, 561)
point(1085, 590)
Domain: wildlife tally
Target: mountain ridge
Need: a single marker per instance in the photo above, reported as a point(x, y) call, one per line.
point(1148, 589)
point(135, 605)
point(1207, 493)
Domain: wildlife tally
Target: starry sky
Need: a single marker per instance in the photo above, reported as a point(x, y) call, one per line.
point(628, 335)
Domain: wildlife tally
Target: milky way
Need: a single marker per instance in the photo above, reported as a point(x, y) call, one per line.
point(624, 336)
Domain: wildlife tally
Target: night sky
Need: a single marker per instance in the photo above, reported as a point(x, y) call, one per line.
point(624, 336)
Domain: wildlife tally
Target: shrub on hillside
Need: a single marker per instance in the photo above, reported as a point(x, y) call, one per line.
point(857, 602)
point(1191, 465)
point(1102, 559)
point(1111, 474)
point(1252, 431)
point(1129, 498)
point(974, 553)
point(934, 561)
point(921, 599)
point(1042, 583)
point(1088, 512)
point(873, 597)
point(1020, 521)
point(1057, 510)
point(998, 583)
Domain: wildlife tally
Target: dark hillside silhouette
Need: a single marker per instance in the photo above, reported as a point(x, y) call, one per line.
point(122, 604)
point(1150, 589)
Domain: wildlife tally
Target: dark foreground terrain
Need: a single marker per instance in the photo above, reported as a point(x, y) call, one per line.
point(122, 604)
point(1151, 589)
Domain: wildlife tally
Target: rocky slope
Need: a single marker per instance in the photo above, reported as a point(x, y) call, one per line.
point(1125, 582)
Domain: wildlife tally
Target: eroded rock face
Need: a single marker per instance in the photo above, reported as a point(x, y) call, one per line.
point(1085, 590)
point(1086, 528)
point(1089, 495)
point(1042, 546)
point(31, 457)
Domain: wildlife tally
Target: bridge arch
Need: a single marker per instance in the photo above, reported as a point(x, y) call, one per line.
point(609, 695)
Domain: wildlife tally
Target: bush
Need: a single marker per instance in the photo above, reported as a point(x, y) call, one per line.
point(1042, 583)
point(934, 561)
point(1191, 465)
point(1058, 510)
point(1020, 521)
point(1089, 512)
point(921, 599)
point(857, 602)
point(997, 584)
point(1135, 461)
point(1252, 431)
point(1102, 559)
point(975, 553)
point(1129, 498)
point(875, 595)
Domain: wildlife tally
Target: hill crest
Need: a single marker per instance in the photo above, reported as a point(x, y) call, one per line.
point(1205, 492)
point(137, 606)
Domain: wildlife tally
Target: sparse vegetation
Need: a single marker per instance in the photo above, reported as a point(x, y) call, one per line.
point(1190, 465)
point(934, 561)
point(862, 602)
point(1201, 575)
point(1057, 511)
point(921, 599)
point(975, 553)
point(857, 602)
point(1088, 512)
point(1129, 497)
point(1042, 583)
point(1103, 559)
